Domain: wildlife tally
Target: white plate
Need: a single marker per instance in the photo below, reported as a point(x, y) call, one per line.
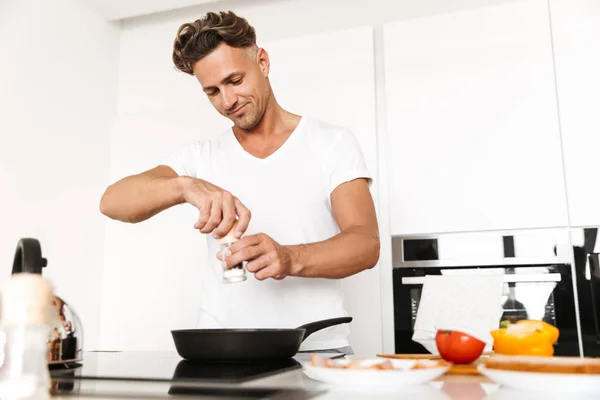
point(544, 382)
point(376, 379)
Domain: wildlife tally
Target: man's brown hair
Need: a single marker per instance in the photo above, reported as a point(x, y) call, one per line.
point(198, 39)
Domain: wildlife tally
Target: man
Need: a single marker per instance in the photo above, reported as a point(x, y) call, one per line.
point(304, 180)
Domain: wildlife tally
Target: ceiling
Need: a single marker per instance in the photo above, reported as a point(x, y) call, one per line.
point(121, 9)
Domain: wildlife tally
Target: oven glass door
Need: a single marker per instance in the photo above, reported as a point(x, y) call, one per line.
point(540, 293)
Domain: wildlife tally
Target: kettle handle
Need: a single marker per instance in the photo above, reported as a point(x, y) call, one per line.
point(28, 257)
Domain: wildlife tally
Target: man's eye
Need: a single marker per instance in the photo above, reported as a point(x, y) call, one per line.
point(212, 93)
point(237, 81)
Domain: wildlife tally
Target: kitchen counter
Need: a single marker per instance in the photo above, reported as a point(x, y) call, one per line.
point(452, 387)
point(289, 384)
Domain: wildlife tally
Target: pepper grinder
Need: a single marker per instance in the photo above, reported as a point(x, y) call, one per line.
point(26, 302)
point(237, 273)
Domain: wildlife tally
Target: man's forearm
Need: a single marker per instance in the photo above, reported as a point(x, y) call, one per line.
point(139, 197)
point(345, 254)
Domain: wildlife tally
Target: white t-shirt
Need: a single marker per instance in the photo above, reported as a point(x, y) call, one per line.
point(288, 194)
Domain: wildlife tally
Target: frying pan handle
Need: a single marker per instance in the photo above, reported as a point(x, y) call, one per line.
point(312, 327)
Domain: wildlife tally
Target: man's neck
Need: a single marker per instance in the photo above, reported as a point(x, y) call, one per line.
point(268, 136)
point(276, 121)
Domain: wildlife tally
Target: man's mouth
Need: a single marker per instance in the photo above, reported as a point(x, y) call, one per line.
point(237, 110)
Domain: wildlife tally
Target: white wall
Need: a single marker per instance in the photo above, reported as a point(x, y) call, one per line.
point(57, 98)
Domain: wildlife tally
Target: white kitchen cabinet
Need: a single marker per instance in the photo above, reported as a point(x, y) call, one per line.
point(472, 121)
point(576, 34)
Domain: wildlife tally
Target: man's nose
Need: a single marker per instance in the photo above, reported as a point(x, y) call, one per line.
point(229, 99)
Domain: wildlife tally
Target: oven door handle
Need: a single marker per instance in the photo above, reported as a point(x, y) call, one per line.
point(510, 278)
point(587, 272)
point(593, 262)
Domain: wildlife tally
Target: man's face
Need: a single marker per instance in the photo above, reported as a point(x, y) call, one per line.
point(235, 81)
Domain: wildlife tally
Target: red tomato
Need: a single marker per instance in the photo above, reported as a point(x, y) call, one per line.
point(458, 347)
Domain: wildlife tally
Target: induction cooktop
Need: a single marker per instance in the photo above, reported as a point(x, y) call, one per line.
point(159, 366)
point(180, 376)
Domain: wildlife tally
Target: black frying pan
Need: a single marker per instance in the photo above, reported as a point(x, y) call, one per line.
point(243, 345)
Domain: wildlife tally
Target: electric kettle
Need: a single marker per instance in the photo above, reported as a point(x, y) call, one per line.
point(65, 342)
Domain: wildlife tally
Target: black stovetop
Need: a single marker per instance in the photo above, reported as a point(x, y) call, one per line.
point(182, 376)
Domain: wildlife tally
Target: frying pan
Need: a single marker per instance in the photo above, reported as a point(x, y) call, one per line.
point(243, 345)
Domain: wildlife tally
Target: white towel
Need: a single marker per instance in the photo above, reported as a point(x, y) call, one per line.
point(468, 303)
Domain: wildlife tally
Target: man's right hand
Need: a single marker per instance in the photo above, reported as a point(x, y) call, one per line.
point(218, 208)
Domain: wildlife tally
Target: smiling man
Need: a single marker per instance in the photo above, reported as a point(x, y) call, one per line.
point(297, 187)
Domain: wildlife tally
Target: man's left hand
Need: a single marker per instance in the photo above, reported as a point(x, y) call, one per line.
point(266, 258)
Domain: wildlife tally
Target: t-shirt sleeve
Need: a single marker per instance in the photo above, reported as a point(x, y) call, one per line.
point(185, 160)
point(348, 162)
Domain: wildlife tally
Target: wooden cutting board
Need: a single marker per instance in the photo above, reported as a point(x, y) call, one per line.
point(468, 369)
point(455, 369)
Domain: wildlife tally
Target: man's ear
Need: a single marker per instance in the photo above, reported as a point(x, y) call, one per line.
point(262, 58)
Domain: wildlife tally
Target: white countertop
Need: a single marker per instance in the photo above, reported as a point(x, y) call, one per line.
point(447, 387)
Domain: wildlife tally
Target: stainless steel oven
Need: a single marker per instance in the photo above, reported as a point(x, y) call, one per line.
point(586, 251)
point(539, 278)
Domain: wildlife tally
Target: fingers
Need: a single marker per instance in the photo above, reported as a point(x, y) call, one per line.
point(229, 216)
point(257, 264)
point(216, 215)
point(244, 217)
point(246, 241)
point(268, 272)
point(204, 209)
point(246, 254)
point(218, 210)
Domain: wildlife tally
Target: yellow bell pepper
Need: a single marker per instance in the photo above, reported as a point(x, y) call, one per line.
point(526, 338)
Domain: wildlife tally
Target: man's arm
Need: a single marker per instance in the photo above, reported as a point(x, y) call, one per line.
point(353, 250)
point(139, 197)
